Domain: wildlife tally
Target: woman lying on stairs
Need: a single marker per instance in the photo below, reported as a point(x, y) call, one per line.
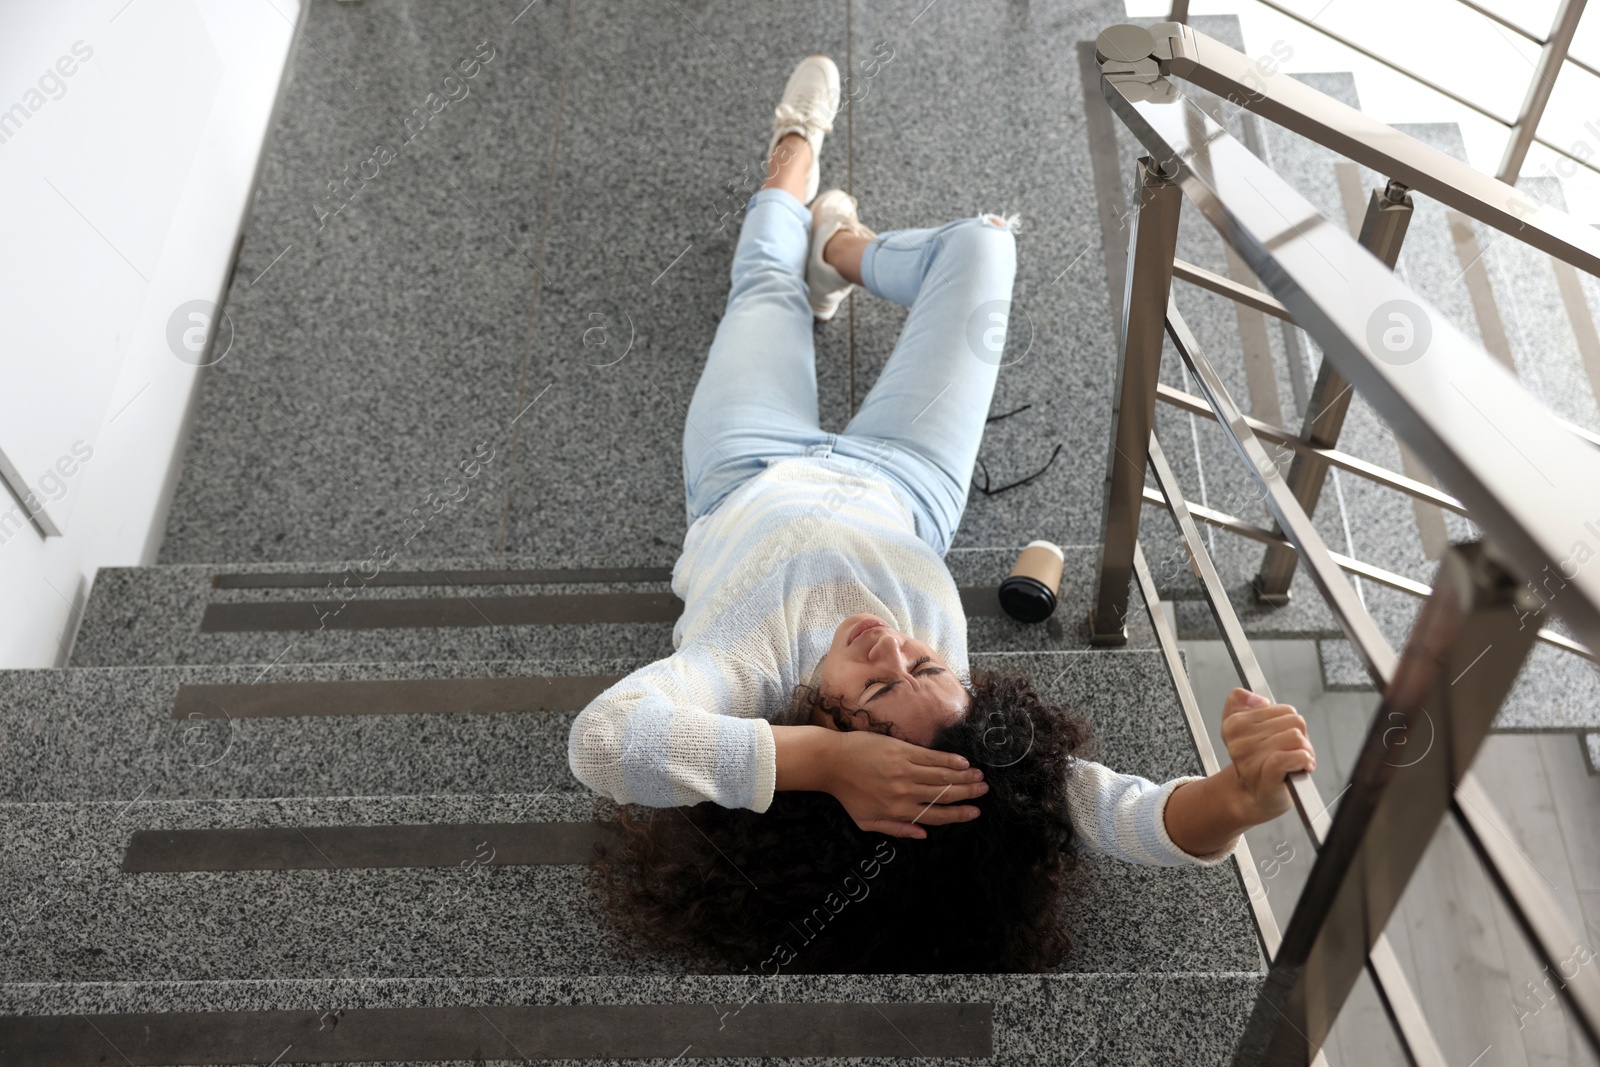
point(819, 697)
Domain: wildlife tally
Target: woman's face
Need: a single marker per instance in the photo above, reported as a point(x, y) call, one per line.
point(883, 675)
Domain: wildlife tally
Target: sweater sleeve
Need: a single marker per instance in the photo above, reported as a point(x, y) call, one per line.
point(1124, 816)
point(679, 731)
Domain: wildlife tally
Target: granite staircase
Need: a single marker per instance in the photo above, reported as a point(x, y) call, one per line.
point(245, 827)
point(273, 811)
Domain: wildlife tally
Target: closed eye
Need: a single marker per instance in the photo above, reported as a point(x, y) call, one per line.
point(888, 685)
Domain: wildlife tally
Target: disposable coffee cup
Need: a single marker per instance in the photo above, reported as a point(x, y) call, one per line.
point(1028, 593)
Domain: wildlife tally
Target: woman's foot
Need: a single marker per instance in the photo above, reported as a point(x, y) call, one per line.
point(833, 267)
point(810, 101)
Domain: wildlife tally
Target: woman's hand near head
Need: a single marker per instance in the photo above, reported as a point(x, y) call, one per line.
point(887, 785)
point(894, 787)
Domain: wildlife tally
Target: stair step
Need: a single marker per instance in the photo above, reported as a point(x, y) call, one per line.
point(446, 886)
point(1555, 690)
point(1024, 1020)
point(120, 733)
point(1538, 322)
point(1304, 615)
point(196, 613)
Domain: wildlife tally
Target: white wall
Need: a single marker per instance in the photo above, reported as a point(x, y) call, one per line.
point(125, 183)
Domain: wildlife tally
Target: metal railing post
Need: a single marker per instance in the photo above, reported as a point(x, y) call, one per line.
point(1383, 230)
point(1526, 129)
point(1472, 627)
point(1152, 243)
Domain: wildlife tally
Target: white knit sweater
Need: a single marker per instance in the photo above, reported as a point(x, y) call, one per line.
point(766, 578)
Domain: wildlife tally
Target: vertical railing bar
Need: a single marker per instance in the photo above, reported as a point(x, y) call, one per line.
point(1249, 880)
point(1313, 812)
point(1411, 1027)
point(1383, 231)
point(1368, 642)
point(1152, 241)
point(1530, 902)
point(1391, 809)
point(1542, 84)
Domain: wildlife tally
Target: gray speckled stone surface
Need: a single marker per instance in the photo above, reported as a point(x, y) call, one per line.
point(981, 109)
point(1542, 341)
point(76, 916)
point(1555, 690)
point(1040, 1020)
point(107, 733)
point(1591, 746)
point(642, 232)
point(144, 616)
point(390, 338)
point(79, 918)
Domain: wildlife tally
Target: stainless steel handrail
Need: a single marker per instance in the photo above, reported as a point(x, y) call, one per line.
point(1348, 564)
point(1182, 52)
point(1484, 436)
point(1347, 888)
point(1495, 448)
point(1387, 977)
point(1555, 51)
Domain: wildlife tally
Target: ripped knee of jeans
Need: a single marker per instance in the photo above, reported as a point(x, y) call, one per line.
point(1010, 223)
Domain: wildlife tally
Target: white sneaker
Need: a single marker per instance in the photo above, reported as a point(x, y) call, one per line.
point(833, 211)
point(810, 101)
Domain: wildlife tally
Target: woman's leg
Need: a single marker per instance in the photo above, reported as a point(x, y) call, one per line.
point(757, 396)
point(931, 401)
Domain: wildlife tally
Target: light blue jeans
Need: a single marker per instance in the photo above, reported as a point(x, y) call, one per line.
point(919, 426)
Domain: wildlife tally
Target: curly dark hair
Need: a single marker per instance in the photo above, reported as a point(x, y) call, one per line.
point(800, 888)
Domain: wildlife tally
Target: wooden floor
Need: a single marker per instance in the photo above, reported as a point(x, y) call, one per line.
point(1490, 1003)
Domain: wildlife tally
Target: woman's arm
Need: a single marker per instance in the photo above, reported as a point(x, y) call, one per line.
point(803, 756)
point(1267, 742)
point(658, 737)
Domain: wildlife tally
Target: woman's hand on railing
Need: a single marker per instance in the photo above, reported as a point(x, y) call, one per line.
point(887, 785)
point(1267, 742)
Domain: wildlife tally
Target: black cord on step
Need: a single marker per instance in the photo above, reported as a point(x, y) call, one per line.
point(984, 488)
point(1007, 415)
